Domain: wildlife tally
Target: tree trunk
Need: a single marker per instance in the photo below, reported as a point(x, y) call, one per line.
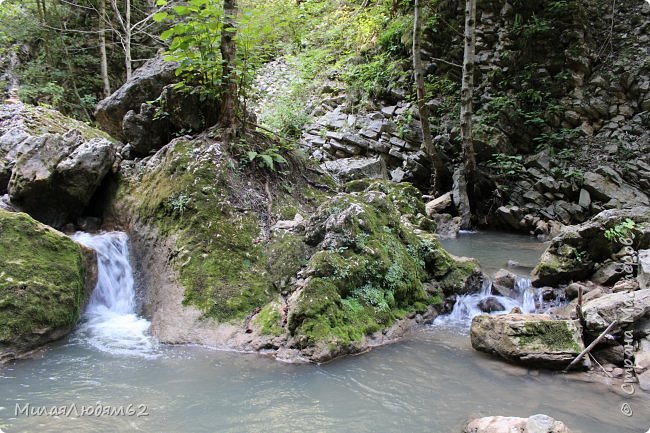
point(418, 75)
point(229, 79)
point(102, 48)
point(127, 40)
point(466, 94)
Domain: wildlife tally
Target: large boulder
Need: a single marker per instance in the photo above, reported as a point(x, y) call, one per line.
point(530, 339)
point(625, 308)
point(347, 169)
point(575, 252)
point(175, 112)
point(56, 163)
point(146, 84)
point(608, 187)
point(45, 279)
point(510, 424)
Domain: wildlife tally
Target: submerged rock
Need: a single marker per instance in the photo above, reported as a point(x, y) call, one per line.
point(531, 339)
point(45, 279)
point(56, 163)
point(509, 424)
point(490, 304)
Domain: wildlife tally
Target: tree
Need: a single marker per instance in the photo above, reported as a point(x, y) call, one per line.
point(228, 48)
point(466, 95)
point(418, 74)
point(103, 59)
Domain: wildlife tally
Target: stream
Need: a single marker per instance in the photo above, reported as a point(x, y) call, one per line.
point(431, 382)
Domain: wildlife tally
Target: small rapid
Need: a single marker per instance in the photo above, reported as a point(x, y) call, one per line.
point(528, 299)
point(110, 322)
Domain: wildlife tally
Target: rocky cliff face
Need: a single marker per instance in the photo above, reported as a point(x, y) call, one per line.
point(561, 122)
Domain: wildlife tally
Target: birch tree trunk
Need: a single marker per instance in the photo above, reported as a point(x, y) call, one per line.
point(103, 60)
point(418, 75)
point(466, 94)
point(127, 40)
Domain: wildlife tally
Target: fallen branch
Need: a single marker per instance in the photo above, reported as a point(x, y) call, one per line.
point(591, 346)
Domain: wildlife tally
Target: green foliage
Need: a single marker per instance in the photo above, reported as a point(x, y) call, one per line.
point(507, 165)
point(267, 159)
point(620, 232)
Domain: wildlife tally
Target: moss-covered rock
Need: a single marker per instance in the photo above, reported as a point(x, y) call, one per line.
point(226, 259)
point(369, 269)
point(574, 254)
point(531, 339)
point(358, 265)
point(45, 279)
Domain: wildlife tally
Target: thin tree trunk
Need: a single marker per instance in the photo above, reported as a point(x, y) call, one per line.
point(466, 94)
point(127, 40)
point(102, 48)
point(418, 75)
point(229, 78)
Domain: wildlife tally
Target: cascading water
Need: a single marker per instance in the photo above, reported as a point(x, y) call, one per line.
point(467, 306)
point(110, 323)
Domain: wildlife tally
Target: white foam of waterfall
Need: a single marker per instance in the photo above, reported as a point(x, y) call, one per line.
point(467, 306)
point(110, 322)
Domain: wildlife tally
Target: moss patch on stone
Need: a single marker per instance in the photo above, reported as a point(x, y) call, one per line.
point(41, 281)
point(549, 335)
point(41, 120)
point(269, 320)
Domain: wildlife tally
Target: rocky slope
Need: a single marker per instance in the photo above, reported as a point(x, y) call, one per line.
point(45, 279)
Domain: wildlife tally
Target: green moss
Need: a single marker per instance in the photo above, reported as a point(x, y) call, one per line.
point(549, 334)
point(372, 270)
point(269, 320)
point(226, 264)
point(41, 279)
point(41, 120)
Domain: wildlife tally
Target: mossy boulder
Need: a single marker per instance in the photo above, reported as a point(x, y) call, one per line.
point(530, 339)
point(45, 278)
point(369, 270)
point(49, 164)
point(576, 252)
point(225, 256)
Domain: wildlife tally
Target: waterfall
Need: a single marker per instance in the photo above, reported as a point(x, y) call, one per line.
point(467, 306)
point(110, 322)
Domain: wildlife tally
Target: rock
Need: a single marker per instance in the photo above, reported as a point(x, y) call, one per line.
point(45, 279)
point(146, 84)
point(5, 204)
point(585, 199)
point(297, 224)
point(573, 254)
point(439, 204)
point(531, 339)
point(446, 225)
point(608, 274)
point(490, 304)
point(611, 355)
point(501, 424)
point(504, 278)
point(605, 189)
point(643, 274)
point(642, 356)
point(625, 308)
point(59, 162)
point(347, 169)
point(572, 290)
